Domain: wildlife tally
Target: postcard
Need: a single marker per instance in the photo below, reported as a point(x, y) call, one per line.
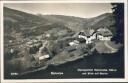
point(64, 40)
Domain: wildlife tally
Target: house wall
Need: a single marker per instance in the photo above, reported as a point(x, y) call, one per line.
point(73, 43)
point(88, 40)
point(93, 36)
point(43, 57)
point(81, 36)
point(100, 37)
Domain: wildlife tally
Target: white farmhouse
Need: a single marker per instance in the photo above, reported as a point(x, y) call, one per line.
point(43, 57)
point(104, 34)
point(88, 35)
point(75, 42)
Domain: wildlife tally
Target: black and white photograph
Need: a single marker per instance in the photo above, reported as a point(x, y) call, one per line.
point(63, 40)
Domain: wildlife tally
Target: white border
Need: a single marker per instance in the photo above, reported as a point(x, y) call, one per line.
point(66, 80)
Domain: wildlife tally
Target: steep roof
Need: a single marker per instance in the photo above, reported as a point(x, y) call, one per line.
point(104, 32)
point(87, 32)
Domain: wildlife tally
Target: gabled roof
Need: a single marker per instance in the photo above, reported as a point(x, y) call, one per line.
point(81, 33)
point(104, 32)
point(86, 32)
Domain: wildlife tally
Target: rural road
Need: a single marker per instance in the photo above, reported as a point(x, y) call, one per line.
point(108, 46)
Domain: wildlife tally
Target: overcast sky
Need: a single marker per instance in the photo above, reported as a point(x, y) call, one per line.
point(85, 10)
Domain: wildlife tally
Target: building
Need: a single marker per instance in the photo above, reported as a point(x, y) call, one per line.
point(75, 42)
point(104, 34)
point(88, 35)
point(42, 54)
point(40, 57)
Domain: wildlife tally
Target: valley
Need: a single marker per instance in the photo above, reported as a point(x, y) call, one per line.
point(34, 42)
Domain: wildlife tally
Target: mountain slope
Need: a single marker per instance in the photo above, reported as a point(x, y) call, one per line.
point(26, 20)
point(78, 24)
point(74, 23)
point(27, 24)
point(105, 20)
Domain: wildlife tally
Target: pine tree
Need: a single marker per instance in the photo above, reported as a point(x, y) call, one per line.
point(118, 11)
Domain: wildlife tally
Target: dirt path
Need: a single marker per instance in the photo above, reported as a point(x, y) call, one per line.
point(112, 49)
